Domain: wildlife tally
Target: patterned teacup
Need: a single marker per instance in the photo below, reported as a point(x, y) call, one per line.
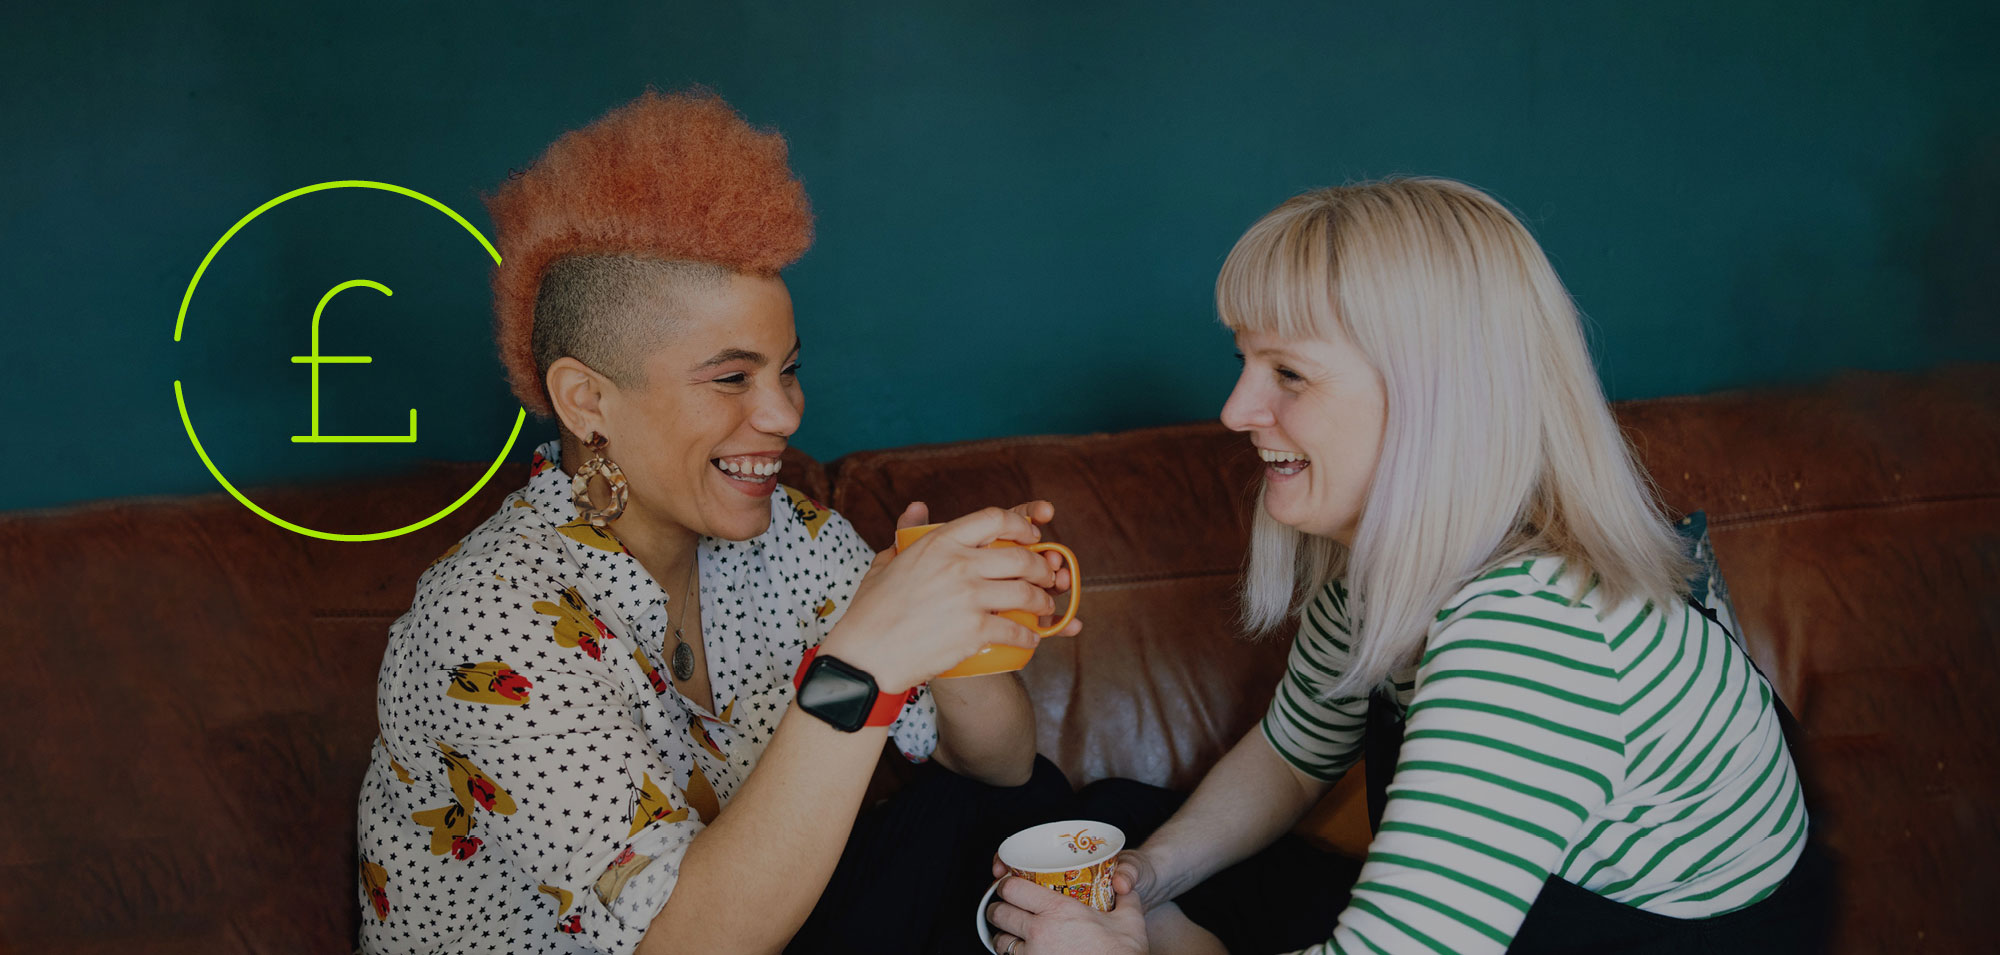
point(1074, 857)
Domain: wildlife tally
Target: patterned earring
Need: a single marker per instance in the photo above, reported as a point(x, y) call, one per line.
point(579, 486)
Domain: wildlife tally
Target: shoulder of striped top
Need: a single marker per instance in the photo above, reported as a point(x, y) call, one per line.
point(1548, 580)
point(1528, 623)
point(1538, 588)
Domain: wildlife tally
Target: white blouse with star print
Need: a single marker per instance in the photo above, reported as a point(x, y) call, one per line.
point(538, 779)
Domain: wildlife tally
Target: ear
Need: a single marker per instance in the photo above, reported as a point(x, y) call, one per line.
point(578, 393)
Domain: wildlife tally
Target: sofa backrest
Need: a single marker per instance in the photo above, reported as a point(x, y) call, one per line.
point(190, 689)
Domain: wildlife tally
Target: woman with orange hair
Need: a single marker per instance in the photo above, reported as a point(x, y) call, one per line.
point(637, 708)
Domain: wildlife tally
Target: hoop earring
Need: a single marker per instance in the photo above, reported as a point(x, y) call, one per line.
point(579, 486)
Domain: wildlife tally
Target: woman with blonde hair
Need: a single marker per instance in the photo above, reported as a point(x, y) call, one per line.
point(1588, 760)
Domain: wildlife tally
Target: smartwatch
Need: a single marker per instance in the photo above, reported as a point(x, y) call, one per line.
point(844, 695)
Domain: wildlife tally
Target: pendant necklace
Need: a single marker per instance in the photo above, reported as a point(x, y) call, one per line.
point(683, 657)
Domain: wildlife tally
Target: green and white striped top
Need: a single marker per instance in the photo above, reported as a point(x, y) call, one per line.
point(1631, 750)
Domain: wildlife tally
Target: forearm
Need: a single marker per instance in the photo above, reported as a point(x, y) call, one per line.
point(986, 728)
point(1245, 803)
point(752, 876)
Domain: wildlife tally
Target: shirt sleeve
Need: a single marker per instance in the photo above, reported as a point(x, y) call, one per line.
point(1319, 735)
point(845, 559)
point(503, 692)
point(1511, 741)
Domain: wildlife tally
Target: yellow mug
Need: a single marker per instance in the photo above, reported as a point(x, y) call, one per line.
point(997, 657)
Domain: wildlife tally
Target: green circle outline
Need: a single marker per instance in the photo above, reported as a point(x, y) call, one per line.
point(520, 415)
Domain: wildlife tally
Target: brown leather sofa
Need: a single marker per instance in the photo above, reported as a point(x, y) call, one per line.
point(188, 690)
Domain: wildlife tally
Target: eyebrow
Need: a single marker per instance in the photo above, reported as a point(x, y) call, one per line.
point(1283, 353)
point(756, 359)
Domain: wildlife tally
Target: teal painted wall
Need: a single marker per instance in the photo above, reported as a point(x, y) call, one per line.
point(1021, 207)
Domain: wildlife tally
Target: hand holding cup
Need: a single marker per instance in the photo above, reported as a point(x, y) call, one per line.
point(1000, 657)
point(1054, 872)
point(921, 610)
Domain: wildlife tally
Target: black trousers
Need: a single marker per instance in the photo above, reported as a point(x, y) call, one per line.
point(916, 864)
point(910, 878)
point(913, 871)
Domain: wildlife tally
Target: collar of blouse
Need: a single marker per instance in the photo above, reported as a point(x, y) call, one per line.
point(611, 578)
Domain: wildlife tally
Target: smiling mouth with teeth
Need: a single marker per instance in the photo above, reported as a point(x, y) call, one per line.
point(749, 469)
point(1284, 462)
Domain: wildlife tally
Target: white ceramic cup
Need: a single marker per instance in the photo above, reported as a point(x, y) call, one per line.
point(1074, 857)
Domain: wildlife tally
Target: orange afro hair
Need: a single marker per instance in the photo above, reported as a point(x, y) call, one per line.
point(679, 177)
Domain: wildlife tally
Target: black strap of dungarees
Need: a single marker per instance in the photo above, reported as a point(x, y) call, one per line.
point(1381, 746)
point(1787, 723)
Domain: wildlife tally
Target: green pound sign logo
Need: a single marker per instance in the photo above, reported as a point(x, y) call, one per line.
point(316, 359)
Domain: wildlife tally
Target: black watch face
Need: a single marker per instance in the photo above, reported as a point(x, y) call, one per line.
point(838, 694)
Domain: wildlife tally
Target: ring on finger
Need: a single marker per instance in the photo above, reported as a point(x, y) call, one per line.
point(1010, 946)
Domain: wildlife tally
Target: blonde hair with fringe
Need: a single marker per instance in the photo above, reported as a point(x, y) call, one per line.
point(1499, 442)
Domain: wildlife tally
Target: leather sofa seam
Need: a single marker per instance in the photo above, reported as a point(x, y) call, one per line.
point(1786, 514)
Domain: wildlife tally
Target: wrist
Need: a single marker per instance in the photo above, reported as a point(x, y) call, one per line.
point(865, 658)
point(844, 695)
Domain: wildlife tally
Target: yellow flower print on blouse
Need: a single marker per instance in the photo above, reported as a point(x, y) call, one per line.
point(401, 773)
point(701, 796)
point(590, 535)
point(441, 558)
point(575, 625)
point(811, 513)
point(375, 885)
point(562, 896)
point(699, 734)
point(451, 825)
point(653, 678)
point(451, 830)
point(491, 682)
point(572, 925)
point(472, 786)
point(621, 871)
point(652, 806)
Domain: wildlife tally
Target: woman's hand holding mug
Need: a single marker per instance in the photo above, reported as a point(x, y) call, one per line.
point(1050, 924)
point(1058, 894)
point(920, 612)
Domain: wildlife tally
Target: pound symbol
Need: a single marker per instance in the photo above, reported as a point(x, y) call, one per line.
point(316, 359)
